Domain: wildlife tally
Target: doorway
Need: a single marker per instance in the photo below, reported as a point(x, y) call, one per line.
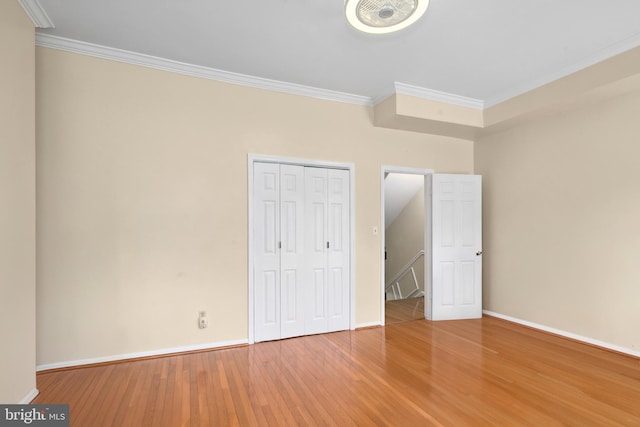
point(406, 253)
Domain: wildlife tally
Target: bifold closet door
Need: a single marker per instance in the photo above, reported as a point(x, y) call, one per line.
point(301, 250)
point(278, 248)
point(327, 250)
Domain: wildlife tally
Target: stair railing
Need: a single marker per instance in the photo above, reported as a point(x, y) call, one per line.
point(394, 284)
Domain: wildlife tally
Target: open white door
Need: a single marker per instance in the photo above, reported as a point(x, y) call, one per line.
point(456, 286)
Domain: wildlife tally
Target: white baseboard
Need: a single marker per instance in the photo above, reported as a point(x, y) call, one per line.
point(368, 325)
point(565, 334)
point(29, 397)
point(160, 352)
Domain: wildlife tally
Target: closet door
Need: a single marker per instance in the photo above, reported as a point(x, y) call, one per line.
point(327, 248)
point(338, 259)
point(278, 246)
point(266, 190)
point(316, 249)
point(292, 251)
point(301, 271)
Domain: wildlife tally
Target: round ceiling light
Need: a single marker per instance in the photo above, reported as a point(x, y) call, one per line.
point(384, 16)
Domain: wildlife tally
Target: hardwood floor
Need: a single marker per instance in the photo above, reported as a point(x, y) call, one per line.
point(485, 372)
point(402, 310)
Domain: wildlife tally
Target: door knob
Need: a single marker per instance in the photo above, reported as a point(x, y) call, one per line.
point(478, 253)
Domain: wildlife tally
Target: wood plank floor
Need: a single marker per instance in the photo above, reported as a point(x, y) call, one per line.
point(402, 310)
point(485, 372)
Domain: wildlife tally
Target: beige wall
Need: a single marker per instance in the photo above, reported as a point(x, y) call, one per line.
point(561, 221)
point(17, 204)
point(403, 239)
point(142, 199)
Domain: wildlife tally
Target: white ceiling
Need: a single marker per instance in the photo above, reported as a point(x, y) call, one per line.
point(486, 50)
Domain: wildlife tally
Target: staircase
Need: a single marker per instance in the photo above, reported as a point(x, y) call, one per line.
point(394, 291)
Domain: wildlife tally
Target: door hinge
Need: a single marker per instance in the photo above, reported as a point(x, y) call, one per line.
point(327, 245)
point(279, 245)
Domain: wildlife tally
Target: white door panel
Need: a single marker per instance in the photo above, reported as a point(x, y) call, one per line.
point(316, 250)
point(457, 247)
point(292, 250)
point(267, 255)
point(338, 269)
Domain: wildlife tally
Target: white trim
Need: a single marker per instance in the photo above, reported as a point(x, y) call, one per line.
point(435, 95)
point(128, 57)
point(406, 170)
point(36, 13)
point(383, 97)
point(427, 229)
point(368, 325)
point(160, 352)
point(565, 334)
point(251, 159)
point(250, 261)
point(299, 161)
point(29, 397)
point(352, 239)
point(90, 49)
point(629, 43)
point(428, 246)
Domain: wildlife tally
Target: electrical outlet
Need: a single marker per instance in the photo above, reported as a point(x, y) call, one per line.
point(203, 322)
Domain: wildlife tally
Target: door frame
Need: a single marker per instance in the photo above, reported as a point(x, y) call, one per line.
point(253, 158)
point(427, 173)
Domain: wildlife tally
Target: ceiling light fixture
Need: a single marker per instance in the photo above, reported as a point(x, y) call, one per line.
point(383, 16)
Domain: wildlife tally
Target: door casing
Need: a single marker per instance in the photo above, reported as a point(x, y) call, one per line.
point(251, 159)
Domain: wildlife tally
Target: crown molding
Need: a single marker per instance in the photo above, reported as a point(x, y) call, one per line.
point(90, 49)
point(36, 13)
point(134, 58)
point(434, 95)
point(629, 43)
